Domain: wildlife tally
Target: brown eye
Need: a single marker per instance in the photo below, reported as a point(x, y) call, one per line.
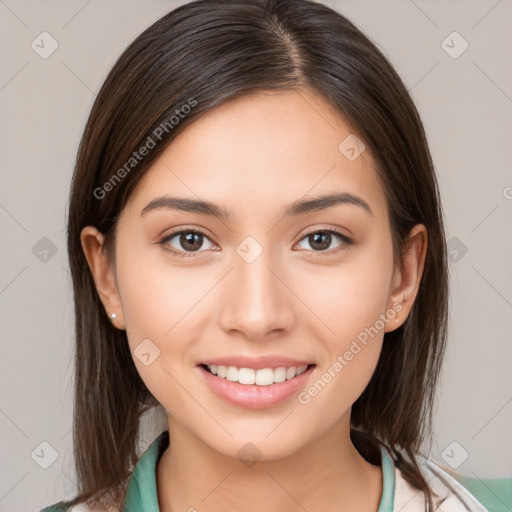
point(322, 240)
point(185, 242)
point(190, 241)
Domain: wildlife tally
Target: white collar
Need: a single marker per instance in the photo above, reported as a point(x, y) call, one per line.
point(452, 496)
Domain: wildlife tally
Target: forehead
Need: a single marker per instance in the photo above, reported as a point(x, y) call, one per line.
point(260, 151)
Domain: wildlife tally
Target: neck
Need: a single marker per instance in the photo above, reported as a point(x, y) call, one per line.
point(327, 474)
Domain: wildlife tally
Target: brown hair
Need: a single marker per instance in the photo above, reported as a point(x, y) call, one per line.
point(204, 55)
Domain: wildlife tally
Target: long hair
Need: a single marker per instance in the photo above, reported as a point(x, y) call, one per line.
point(193, 59)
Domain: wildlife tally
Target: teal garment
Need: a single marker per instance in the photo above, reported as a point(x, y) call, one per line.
point(142, 492)
point(142, 487)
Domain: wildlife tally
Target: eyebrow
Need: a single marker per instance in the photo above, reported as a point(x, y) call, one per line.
point(298, 207)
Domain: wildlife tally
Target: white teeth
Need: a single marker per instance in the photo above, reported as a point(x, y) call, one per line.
point(232, 374)
point(262, 377)
point(279, 374)
point(246, 376)
point(291, 372)
point(265, 377)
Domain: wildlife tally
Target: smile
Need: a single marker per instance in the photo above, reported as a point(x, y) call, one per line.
point(261, 377)
point(255, 388)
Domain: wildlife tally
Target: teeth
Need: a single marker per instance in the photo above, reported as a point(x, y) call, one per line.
point(263, 377)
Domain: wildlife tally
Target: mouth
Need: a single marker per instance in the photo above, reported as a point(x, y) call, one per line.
point(256, 388)
point(258, 377)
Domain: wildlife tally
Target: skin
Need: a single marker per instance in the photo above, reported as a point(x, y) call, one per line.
point(254, 156)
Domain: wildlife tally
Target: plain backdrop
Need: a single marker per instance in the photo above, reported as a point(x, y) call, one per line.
point(462, 85)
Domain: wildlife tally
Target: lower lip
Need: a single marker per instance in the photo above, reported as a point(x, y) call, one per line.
point(252, 396)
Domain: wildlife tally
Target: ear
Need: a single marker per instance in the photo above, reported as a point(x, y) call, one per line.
point(103, 273)
point(406, 280)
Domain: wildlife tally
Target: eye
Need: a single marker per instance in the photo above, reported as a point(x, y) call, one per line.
point(185, 242)
point(321, 239)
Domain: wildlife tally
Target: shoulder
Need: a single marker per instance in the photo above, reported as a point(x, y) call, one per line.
point(450, 495)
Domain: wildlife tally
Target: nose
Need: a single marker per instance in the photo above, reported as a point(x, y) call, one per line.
point(258, 303)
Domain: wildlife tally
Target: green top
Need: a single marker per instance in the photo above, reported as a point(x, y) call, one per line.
point(141, 495)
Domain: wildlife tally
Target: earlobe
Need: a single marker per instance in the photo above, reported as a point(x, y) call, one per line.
point(101, 269)
point(407, 279)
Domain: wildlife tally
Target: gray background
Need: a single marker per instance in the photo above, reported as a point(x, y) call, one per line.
point(466, 105)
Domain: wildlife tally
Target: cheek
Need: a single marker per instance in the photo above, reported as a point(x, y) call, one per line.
point(351, 300)
point(159, 297)
point(165, 309)
point(349, 297)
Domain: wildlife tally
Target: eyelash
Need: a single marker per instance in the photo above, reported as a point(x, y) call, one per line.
point(345, 240)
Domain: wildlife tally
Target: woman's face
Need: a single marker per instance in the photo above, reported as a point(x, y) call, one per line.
point(264, 279)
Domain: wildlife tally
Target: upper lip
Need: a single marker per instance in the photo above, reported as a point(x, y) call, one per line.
point(257, 363)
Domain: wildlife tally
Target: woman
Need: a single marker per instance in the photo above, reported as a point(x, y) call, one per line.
point(257, 244)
